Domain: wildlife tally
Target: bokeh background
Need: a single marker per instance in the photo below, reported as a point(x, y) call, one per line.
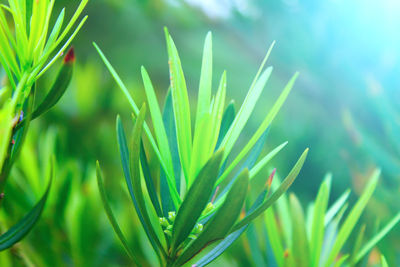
point(344, 105)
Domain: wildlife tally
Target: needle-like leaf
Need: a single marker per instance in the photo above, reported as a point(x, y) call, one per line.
point(221, 223)
point(195, 200)
point(111, 216)
point(282, 189)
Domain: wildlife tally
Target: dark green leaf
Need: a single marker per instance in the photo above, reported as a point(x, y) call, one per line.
point(228, 241)
point(249, 162)
point(195, 200)
point(59, 87)
point(227, 119)
point(135, 182)
point(169, 123)
point(111, 216)
point(25, 225)
point(124, 153)
point(149, 181)
point(222, 222)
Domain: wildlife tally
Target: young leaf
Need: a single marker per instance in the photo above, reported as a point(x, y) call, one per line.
point(111, 216)
point(135, 182)
point(203, 100)
point(159, 129)
point(195, 200)
point(264, 125)
point(317, 232)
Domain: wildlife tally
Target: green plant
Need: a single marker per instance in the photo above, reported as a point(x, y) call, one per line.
point(25, 56)
point(194, 167)
point(318, 237)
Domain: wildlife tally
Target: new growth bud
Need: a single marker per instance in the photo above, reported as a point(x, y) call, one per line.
point(163, 222)
point(209, 208)
point(171, 216)
point(198, 229)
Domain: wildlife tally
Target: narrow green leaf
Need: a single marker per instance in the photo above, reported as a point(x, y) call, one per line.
point(71, 22)
point(40, 70)
point(228, 241)
point(25, 225)
point(159, 129)
point(300, 248)
point(111, 216)
point(341, 260)
point(203, 100)
point(273, 236)
point(334, 209)
point(222, 221)
point(244, 112)
point(357, 245)
point(181, 106)
point(175, 196)
point(149, 181)
point(206, 136)
point(217, 112)
point(195, 200)
point(318, 227)
point(352, 218)
point(264, 125)
point(248, 163)
point(265, 160)
point(124, 154)
point(135, 182)
point(169, 123)
point(275, 196)
point(378, 237)
point(59, 87)
point(227, 119)
point(55, 31)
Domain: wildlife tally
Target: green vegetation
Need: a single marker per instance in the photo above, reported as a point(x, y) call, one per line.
point(25, 55)
point(200, 178)
point(188, 220)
